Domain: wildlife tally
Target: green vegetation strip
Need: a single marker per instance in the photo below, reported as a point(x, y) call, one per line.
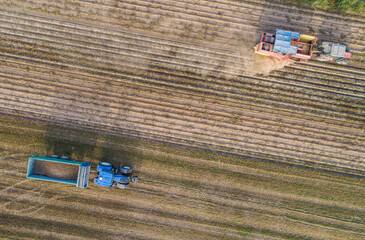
point(357, 6)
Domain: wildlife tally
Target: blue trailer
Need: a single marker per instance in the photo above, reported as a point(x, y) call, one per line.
point(59, 169)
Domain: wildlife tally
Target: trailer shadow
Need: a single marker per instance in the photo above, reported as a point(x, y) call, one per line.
point(82, 145)
point(63, 141)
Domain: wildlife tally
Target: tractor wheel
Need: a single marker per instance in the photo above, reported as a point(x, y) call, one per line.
point(122, 186)
point(342, 61)
point(55, 156)
point(134, 179)
point(126, 169)
point(104, 166)
point(321, 58)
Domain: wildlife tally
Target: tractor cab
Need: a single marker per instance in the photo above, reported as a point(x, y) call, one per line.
point(104, 178)
point(109, 176)
point(329, 51)
point(286, 45)
point(338, 50)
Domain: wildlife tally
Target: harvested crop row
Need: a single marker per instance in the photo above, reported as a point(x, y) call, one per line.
point(230, 14)
point(160, 199)
point(251, 107)
point(179, 107)
point(66, 114)
point(143, 41)
point(134, 10)
point(110, 32)
point(134, 18)
point(160, 118)
point(111, 64)
point(294, 83)
point(180, 74)
point(173, 131)
point(84, 123)
point(117, 94)
point(248, 92)
point(68, 23)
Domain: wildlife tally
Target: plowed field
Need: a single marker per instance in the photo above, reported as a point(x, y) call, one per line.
point(175, 72)
point(182, 73)
point(182, 194)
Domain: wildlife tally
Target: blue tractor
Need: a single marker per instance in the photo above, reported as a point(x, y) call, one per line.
point(109, 176)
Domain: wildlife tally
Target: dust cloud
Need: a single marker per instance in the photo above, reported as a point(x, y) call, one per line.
point(235, 49)
point(259, 64)
point(244, 60)
point(252, 64)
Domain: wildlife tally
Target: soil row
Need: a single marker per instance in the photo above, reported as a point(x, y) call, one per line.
point(164, 195)
point(142, 61)
point(123, 99)
point(160, 135)
point(141, 13)
point(193, 85)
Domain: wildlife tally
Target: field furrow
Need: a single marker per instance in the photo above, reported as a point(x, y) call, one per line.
point(227, 144)
point(170, 199)
point(163, 121)
point(164, 82)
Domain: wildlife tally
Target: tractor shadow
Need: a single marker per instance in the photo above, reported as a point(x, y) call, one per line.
point(118, 157)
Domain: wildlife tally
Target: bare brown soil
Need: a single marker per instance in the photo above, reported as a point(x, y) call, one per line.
point(183, 73)
point(263, 65)
point(56, 170)
point(155, 75)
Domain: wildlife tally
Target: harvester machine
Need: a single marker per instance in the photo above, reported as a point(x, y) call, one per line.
point(286, 45)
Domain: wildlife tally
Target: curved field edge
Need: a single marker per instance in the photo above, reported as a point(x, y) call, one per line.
point(182, 192)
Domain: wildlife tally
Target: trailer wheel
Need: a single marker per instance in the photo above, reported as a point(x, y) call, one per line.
point(55, 156)
point(134, 179)
point(122, 186)
point(126, 169)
